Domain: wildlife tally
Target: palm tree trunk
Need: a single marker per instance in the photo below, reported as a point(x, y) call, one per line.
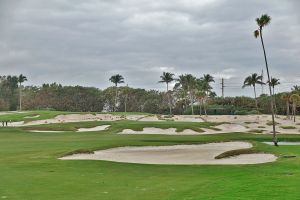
point(288, 109)
point(20, 98)
point(294, 111)
point(115, 107)
point(169, 101)
point(125, 104)
point(255, 97)
point(192, 103)
point(200, 107)
point(275, 140)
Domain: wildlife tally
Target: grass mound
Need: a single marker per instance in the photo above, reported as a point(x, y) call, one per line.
point(228, 154)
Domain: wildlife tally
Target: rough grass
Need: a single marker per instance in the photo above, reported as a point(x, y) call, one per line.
point(288, 127)
point(256, 131)
point(270, 123)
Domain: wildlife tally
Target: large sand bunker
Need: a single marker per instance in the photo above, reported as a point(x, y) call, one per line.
point(202, 154)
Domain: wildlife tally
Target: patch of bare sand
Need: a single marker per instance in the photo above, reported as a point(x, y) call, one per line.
point(202, 154)
point(97, 128)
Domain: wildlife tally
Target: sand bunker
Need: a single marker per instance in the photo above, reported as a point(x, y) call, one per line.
point(178, 154)
point(231, 128)
point(45, 131)
point(97, 128)
point(187, 118)
point(150, 118)
point(32, 117)
point(169, 131)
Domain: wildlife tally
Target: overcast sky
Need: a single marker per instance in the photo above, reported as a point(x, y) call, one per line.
point(84, 42)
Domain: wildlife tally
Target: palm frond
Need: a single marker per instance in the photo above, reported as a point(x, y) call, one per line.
point(256, 33)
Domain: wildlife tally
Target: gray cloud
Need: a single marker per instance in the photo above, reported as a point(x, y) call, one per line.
point(85, 42)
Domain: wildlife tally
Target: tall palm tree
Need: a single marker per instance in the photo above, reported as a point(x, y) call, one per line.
point(167, 78)
point(116, 79)
point(286, 98)
point(274, 82)
point(295, 99)
point(263, 21)
point(252, 80)
point(21, 79)
point(191, 82)
point(206, 87)
point(181, 82)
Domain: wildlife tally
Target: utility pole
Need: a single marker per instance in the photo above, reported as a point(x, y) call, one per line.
point(222, 84)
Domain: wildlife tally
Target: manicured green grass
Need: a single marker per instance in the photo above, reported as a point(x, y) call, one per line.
point(30, 170)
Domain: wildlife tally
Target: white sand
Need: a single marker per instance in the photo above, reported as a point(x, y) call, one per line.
point(283, 143)
point(187, 118)
point(177, 154)
point(75, 118)
point(150, 118)
point(97, 128)
point(32, 117)
point(159, 131)
point(45, 131)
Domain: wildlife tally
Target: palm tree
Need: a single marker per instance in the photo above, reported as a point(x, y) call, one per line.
point(296, 88)
point(116, 79)
point(295, 99)
point(274, 82)
point(21, 79)
point(263, 21)
point(167, 78)
point(208, 78)
point(191, 86)
point(286, 97)
point(252, 80)
point(205, 86)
